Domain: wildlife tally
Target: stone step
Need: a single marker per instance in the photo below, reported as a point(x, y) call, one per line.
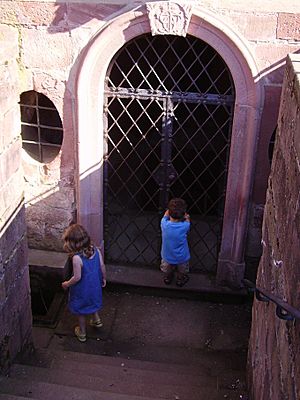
point(123, 373)
point(185, 359)
point(129, 384)
point(51, 358)
point(5, 396)
point(23, 389)
point(108, 366)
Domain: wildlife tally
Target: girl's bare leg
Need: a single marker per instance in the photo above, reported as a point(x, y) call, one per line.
point(82, 324)
point(96, 320)
point(96, 316)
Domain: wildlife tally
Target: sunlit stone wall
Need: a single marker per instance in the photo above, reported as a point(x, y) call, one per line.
point(274, 347)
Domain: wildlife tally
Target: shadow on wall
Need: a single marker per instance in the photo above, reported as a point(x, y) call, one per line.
point(15, 310)
point(72, 15)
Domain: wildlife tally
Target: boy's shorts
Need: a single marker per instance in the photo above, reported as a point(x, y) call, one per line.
point(183, 268)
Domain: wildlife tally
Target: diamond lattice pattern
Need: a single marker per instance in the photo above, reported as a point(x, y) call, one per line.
point(132, 193)
point(170, 63)
point(150, 107)
point(199, 155)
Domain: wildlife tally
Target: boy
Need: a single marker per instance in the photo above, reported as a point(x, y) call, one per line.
point(175, 253)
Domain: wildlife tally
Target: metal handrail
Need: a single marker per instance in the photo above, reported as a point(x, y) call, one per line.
point(283, 309)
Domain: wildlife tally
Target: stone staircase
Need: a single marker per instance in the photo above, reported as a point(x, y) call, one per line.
point(66, 375)
point(149, 348)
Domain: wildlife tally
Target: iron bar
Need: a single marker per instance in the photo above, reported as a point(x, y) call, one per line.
point(283, 309)
point(206, 98)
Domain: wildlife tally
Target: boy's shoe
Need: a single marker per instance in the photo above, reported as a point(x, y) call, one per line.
point(96, 324)
point(80, 336)
point(168, 277)
point(168, 280)
point(182, 280)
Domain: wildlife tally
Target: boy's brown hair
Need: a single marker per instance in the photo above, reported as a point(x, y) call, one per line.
point(177, 208)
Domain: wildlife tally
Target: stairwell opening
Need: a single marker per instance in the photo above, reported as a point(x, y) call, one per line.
point(47, 297)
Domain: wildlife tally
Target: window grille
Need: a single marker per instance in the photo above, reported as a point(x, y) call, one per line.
point(41, 127)
point(167, 114)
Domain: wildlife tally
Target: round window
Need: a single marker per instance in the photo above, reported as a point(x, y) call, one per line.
point(41, 126)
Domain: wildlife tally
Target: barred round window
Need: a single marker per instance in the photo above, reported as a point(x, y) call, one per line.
point(41, 126)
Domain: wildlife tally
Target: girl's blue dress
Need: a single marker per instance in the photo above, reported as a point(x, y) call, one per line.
point(85, 297)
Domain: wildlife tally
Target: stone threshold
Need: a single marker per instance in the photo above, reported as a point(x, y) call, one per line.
point(139, 277)
point(153, 278)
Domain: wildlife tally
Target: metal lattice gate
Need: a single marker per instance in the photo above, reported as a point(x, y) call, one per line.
point(168, 113)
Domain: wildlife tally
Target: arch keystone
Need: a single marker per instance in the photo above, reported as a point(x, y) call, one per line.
point(169, 18)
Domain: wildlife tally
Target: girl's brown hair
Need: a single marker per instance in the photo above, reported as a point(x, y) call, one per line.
point(77, 240)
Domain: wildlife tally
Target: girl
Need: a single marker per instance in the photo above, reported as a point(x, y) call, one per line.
point(89, 276)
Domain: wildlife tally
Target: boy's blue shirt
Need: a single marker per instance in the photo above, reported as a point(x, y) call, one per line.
point(175, 249)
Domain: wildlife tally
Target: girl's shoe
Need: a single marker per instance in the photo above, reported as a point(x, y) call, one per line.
point(80, 336)
point(96, 324)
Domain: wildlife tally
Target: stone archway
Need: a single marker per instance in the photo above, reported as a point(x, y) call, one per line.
point(89, 103)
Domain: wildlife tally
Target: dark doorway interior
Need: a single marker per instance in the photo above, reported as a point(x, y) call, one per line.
point(168, 123)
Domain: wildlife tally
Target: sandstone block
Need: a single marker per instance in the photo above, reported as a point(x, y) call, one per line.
point(9, 43)
point(271, 59)
point(16, 297)
point(86, 14)
point(43, 13)
point(256, 26)
point(46, 226)
point(10, 162)
point(26, 320)
point(255, 6)
point(64, 197)
point(42, 48)
point(9, 92)
point(14, 232)
point(10, 127)
point(16, 264)
point(288, 26)
point(2, 289)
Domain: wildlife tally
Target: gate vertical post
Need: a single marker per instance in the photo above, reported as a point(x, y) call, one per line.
point(231, 263)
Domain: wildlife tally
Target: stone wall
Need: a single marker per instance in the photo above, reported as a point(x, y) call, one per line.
point(15, 302)
point(274, 347)
point(52, 37)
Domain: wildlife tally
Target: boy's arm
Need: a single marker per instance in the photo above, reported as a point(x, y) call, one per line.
point(187, 217)
point(166, 214)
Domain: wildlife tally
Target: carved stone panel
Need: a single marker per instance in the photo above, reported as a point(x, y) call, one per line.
point(169, 18)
